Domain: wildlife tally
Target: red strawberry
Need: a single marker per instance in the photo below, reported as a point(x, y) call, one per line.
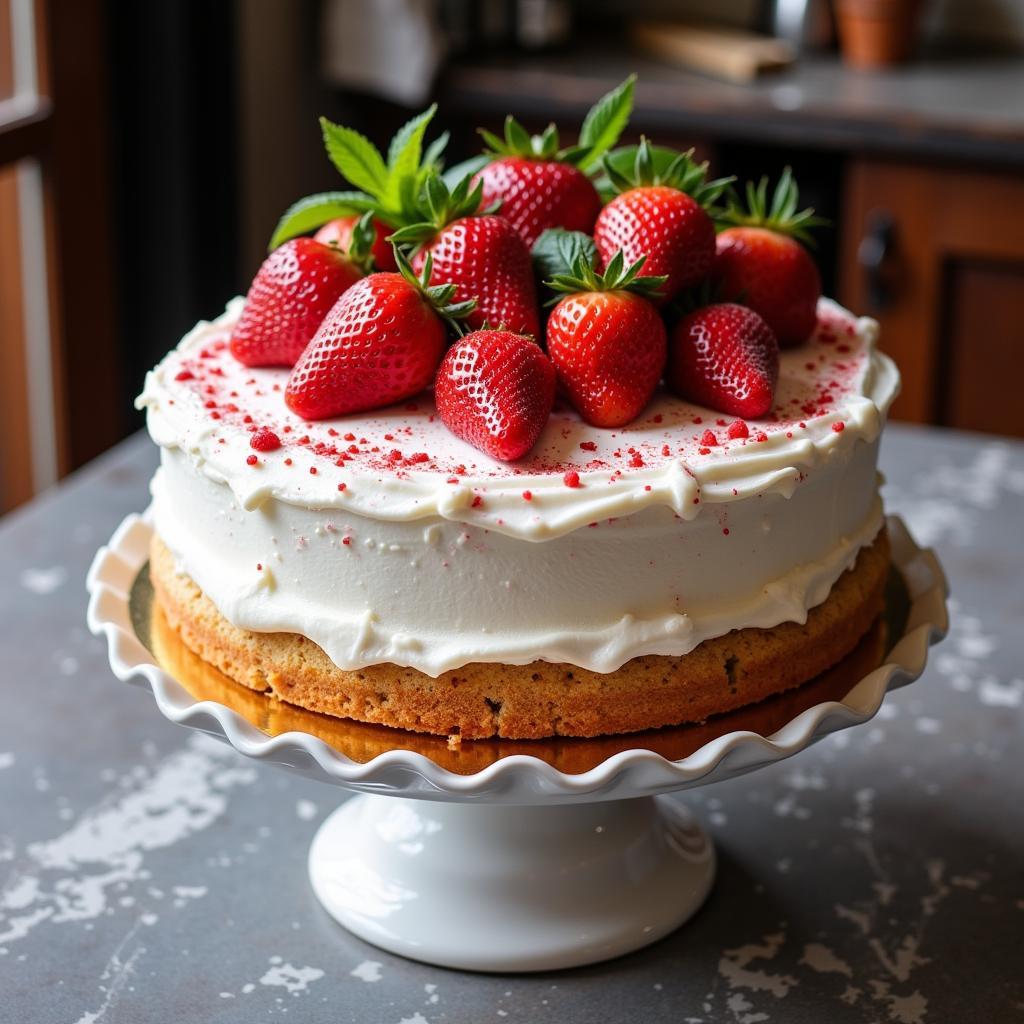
point(724, 357)
point(380, 343)
point(486, 259)
point(761, 263)
point(541, 186)
point(607, 341)
point(289, 297)
point(339, 232)
point(495, 389)
point(661, 216)
point(483, 257)
point(539, 194)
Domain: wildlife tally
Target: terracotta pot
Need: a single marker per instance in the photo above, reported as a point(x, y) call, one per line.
point(877, 33)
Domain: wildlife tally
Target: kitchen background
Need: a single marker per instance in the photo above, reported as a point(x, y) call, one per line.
point(147, 150)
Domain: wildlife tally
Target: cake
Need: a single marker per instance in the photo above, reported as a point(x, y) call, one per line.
point(378, 566)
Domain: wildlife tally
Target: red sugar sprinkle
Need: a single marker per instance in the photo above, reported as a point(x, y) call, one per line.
point(342, 487)
point(350, 436)
point(708, 438)
point(477, 501)
point(703, 451)
point(346, 540)
point(389, 437)
point(265, 441)
point(287, 462)
point(312, 470)
point(527, 495)
point(259, 567)
point(762, 436)
point(394, 455)
point(184, 375)
point(697, 419)
point(725, 530)
point(588, 446)
point(353, 449)
point(215, 415)
point(210, 404)
point(637, 461)
point(665, 450)
point(721, 423)
point(332, 432)
point(251, 460)
point(738, 429)
point(571, 479)
point(304, 439)
point(647, 487)
point(839, 426)
point(419, 457)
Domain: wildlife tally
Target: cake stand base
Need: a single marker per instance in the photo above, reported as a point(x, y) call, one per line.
point(485, 887)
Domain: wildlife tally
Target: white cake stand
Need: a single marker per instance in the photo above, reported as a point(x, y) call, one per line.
point(518, 866)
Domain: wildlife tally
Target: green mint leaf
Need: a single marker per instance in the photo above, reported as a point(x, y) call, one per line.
point(434, 152)
point(404, 155)
point(606, 121)
point(356, 158)
point(556, 252)
point(453, 175)
point(314, 211)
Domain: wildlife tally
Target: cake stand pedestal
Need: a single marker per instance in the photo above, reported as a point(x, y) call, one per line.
point(525, 888)
point(514, 864)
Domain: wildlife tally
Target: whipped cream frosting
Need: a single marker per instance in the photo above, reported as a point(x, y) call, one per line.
point(385, 538)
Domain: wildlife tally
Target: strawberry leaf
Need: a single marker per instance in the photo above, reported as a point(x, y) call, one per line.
point(605, 122)
point(557, 251)
point(356, 158)
point(404, 156)
point(314, 211)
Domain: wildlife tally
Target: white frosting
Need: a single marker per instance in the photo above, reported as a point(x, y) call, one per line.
point(434, 557)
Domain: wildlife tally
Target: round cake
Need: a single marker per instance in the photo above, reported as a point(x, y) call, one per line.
point(376, 567)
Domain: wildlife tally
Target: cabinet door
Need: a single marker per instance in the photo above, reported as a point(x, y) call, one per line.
point(937, 257)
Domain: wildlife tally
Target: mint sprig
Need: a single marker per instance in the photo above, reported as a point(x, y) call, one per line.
point(601, 129)
point(314, 211)
point(388, 187)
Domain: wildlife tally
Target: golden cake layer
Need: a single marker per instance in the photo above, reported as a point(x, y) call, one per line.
point(540, 699)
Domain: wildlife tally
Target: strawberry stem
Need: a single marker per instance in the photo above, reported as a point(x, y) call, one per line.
point(643, 166)
point(438, 295)
point(617, 277)
point(780, 214)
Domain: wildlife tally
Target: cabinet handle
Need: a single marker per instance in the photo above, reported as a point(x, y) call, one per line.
point(875, 256)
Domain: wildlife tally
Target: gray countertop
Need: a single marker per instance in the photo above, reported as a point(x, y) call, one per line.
point(961, 107)
point(149, 874)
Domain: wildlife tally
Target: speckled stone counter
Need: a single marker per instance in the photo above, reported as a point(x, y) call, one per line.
point(149, 874)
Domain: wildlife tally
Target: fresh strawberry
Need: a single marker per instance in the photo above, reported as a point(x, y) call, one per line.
point(761, 261)
point(538, 194)
point(607, 340)
point(660, 213)
point(540, 186)
point(724, 357)
point(289, 297)
point(483, 256)
point(339, 232)
point(380, 343)
point(495, 389)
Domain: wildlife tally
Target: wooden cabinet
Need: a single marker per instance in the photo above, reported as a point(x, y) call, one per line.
point(937, 256)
